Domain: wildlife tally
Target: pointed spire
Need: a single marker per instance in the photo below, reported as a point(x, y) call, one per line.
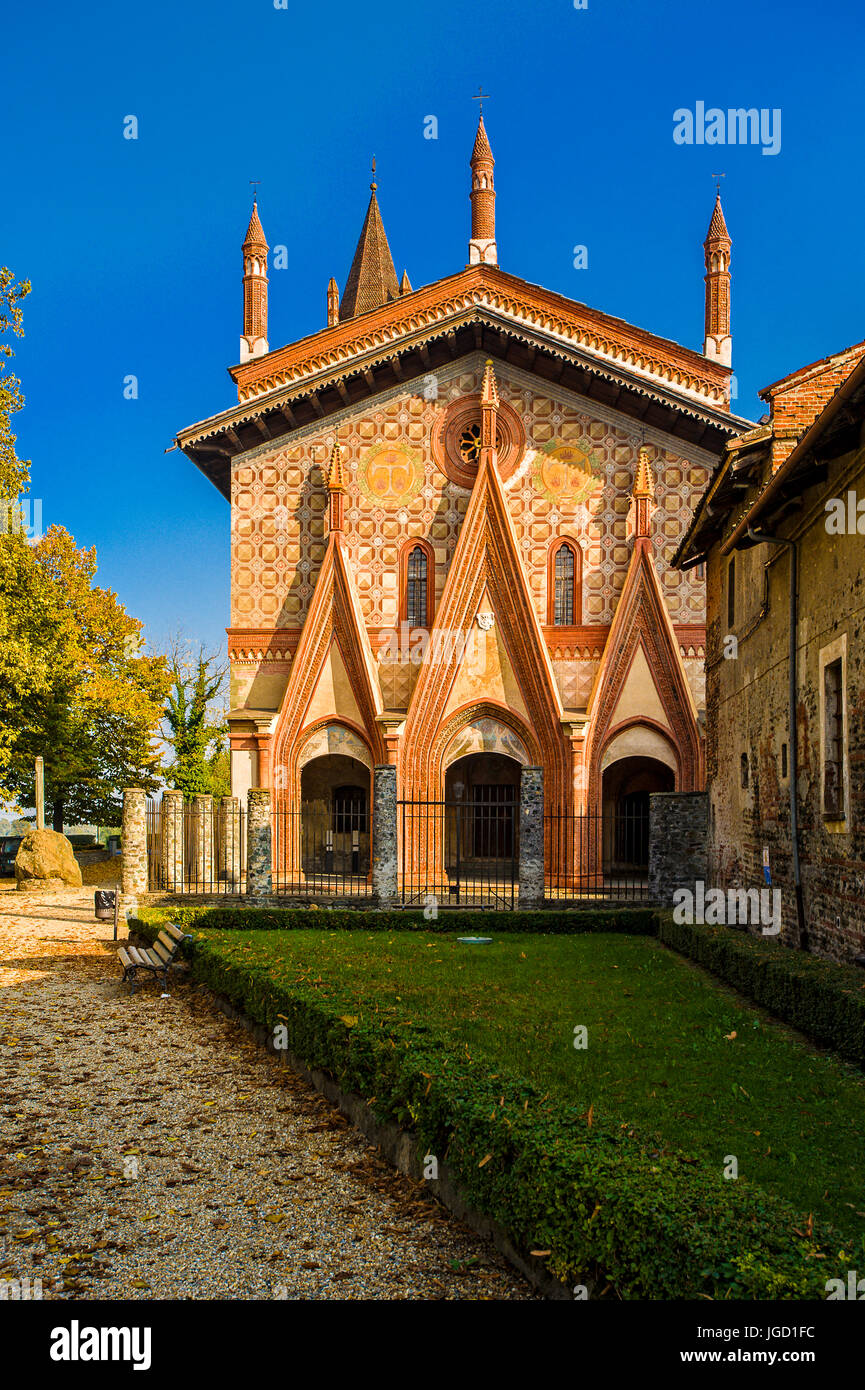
point(372, 279)
point(405, 283)
point(336, 487)
point(717, 343)
point(643, 493)
point(332, 302)
point(489, 386)
point(255, 238)
point(253, 340)
point(335, 478)
point(482, 247)
point(489, 407)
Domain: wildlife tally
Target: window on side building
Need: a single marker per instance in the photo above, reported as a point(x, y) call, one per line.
point(834, 741)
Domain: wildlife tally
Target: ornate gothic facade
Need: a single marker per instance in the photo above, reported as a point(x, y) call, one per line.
point(453, 511)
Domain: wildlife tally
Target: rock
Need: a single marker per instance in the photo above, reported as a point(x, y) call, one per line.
point(45, 862)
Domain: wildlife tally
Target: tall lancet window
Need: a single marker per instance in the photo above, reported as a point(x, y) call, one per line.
point(563, 601)
point(417, 579)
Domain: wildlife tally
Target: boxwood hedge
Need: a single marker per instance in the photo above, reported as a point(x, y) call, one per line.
point(595, 1196)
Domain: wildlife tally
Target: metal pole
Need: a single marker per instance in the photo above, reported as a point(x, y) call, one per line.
point(40, 794)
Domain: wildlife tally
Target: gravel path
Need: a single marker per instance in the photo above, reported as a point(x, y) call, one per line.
point(150, 1149)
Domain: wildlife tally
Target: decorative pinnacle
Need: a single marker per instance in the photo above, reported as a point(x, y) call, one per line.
point(335, 480)
point(644, 483)
point(373, 185)
point(489, 389)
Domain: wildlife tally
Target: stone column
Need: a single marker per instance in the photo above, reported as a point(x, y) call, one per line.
point(172, 840)
point(384, 835)
point(678, 843)
point(202, 839)
point(134, 882)
point(532, 837)
point(229, 841)
point(259, 842)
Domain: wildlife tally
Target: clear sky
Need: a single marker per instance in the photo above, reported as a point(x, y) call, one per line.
point(133, 246)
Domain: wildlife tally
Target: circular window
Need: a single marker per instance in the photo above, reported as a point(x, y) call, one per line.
point(456, 441)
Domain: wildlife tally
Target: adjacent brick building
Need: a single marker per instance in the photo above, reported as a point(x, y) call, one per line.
point(782, 787)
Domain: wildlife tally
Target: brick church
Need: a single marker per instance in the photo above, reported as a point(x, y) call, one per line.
point(453, 510)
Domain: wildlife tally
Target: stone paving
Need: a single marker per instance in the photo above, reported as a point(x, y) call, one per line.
point(150, 1149)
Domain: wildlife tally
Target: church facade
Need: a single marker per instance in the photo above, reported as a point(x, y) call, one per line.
point(453, 511)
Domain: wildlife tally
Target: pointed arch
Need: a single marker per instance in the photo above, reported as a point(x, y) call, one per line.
point(560, 544)
point(642, 640)
point(485, 563)
point(334, 635)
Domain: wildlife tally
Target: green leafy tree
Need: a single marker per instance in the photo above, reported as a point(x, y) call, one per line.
point(195, 727)
point(81, 691)
point(14, 472)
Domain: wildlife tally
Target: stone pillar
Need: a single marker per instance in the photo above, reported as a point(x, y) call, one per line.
point(259, 842)
point(384, 836)
point(202, 840)
point(678, 843)
point(172, 840)
point(229, 841)
point(532, 837)
point(134, 882)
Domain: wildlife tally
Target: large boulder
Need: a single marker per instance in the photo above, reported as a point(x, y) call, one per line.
point(45, 861)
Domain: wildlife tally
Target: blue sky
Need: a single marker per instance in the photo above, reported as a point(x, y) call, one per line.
point(133, 247)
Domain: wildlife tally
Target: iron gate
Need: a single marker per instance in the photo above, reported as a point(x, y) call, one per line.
point(460, 853)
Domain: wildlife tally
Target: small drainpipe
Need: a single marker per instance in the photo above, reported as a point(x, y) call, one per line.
point(762, 536)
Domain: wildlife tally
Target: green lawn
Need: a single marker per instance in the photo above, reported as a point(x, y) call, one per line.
point(670, 1052)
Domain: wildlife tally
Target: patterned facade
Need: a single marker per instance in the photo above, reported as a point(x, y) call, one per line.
point(537, 462)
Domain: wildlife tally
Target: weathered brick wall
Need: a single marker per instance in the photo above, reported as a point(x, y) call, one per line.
point(747, 714)
point(678, 824)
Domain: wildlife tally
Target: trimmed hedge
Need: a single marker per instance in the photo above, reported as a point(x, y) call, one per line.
point(636, 921)
point(597, 1197)
point(824, 1000)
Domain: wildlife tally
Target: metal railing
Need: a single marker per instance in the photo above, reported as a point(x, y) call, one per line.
point(323, 849)
point(596, 855)
point(196, 849)
point(460, 853)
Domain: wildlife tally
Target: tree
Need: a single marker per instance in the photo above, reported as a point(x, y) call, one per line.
point(195, 730)
point(80, 692)
point(14, 472)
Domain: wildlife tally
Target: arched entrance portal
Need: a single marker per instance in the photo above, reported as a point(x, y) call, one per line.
point(626, 787)
point(335, 817)
point(482, 796)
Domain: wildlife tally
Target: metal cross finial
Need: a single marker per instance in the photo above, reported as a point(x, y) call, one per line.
point(254, 185)
point(373, 185)
point(719, 177)
point(481, 96)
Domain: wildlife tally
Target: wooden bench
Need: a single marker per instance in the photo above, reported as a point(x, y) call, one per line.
point(156, 959)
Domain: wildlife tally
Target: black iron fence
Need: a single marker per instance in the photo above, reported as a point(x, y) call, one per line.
point(323, 849)
point(196, 848)
point(460, 853)
point(596, 855)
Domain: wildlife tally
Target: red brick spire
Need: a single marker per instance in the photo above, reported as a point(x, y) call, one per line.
point(489, 413)
point(332, 302)
point(372, 279)
point(336, 488)
point(482, 247)
point(253, 341)
point(718, 343)
point(644, 495)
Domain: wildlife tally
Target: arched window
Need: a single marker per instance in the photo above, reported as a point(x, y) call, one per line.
point(563, 585)
point(417, 566)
